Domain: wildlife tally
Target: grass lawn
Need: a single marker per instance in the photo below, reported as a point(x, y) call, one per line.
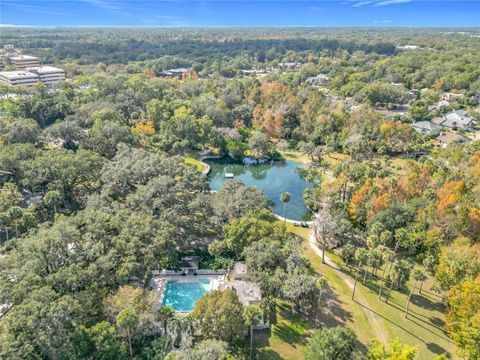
point(191, 161)
point(294, 155)
point(287, 338)
point(423, 328)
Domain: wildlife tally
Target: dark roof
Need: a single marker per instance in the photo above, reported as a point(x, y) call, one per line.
point(190, 262)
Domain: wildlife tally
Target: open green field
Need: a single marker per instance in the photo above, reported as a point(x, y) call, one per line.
point(366, 315)
point(191, 161)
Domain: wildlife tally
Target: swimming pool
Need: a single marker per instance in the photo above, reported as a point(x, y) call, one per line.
point(182, 295)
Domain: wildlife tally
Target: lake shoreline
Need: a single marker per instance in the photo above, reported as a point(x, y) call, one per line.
point(273, 177)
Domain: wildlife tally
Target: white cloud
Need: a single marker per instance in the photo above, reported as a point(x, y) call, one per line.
point(104, 4)
point(360, 3)
point(391, 2)
point(34, 8)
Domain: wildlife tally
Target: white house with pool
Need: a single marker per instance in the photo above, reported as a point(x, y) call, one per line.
point(182, 289)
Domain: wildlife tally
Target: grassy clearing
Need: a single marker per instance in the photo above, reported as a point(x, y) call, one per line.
point(335, 158)
point(290, 332)
point(287, 338)
point(191, 161)
point(341, 310)
point(294, 155)
point(298, 156)
point(422, 329)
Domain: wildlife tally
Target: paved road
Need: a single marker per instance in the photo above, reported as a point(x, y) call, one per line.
point(375, 323)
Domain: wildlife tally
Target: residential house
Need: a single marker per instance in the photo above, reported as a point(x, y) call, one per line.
point(178, 73)
point(427, 128)
point(458, 119)
point(438, 120)
point(449, 137)
point(287, 65)
point(319, 80)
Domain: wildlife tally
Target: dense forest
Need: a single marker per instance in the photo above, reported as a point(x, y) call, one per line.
point(96, 192)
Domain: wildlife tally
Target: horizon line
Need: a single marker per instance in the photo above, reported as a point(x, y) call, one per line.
point(243, 26)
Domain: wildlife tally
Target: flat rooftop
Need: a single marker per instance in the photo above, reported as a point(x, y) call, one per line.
point(15, 75)
point(23, 57)
point(41, 70)
point(248, 292)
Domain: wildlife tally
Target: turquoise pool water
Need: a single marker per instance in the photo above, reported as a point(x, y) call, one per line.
point(182, 296)
point(273, 177)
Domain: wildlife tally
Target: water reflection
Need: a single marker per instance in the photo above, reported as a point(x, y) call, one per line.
point(273, 177)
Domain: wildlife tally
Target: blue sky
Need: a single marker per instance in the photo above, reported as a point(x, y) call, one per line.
point(173, 13)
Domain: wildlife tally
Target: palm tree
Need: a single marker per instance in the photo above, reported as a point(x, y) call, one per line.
point(385, 236)
point(285, 198)
point(164, 315)
point(372, 243)
point(388, 256)
point(322, 285)
point(400, 236)
point(429, 265)
point(361, 256)
point(418, 275)
point(400, 272)
point(252, 315)
point(127, 321)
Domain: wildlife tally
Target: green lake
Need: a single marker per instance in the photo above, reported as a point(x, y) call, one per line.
point(273, 177)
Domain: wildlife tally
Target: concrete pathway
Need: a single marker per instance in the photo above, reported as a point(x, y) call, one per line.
point(290, 221)
point(375, 323)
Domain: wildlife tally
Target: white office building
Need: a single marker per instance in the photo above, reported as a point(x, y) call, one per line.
point(24, 61)
point(48, 75)
point(18, 78)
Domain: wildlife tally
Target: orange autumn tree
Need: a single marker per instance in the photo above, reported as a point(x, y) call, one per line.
point(270, 121)
point(357, 208)
point(449, 194)
point(270, 88)
point(474, 165)
point(415, 182)
point(383, 196)
point(474, 221)
point(189, 75)
point(149, 73)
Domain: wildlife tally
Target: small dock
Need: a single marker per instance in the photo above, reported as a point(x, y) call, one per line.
point(229, 175)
